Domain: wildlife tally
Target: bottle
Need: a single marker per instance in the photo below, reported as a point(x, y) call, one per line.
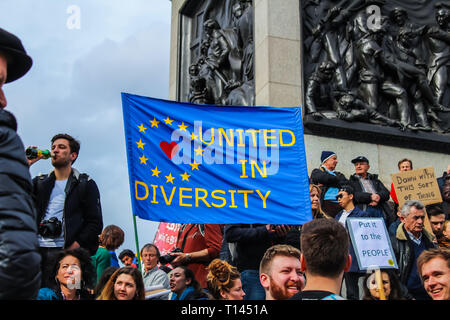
point(34, 152)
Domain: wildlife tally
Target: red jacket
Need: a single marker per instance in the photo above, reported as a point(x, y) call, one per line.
point(199, 237)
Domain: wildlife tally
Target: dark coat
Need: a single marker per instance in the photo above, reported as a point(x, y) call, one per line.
point(82, 209)
point(327, 180)
point(404, 251)
point(362, 199)
point(20, 274)
point(252, 241)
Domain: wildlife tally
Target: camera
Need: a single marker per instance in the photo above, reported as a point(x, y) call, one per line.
point(169, 258)
point(50, 228)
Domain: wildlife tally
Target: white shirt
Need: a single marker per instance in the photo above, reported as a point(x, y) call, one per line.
point(55, 208)
point(344, 216)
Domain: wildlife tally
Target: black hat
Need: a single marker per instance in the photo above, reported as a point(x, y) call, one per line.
point(17, 58)
point(360, 159)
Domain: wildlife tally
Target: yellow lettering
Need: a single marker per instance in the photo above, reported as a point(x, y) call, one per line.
point(253, 132)
point(197, 197)
point(255, 165)
point(263, 198)
point(281, 138)
point(243, 169)
point(182, 196)
point(168, 202)
point(245, 192)
point(224, 202)
point(232, 192)
point(136, 183)
point(201, 136)
point(154, 193)
point(222, 133)
point(241, 138)
point(266, 137)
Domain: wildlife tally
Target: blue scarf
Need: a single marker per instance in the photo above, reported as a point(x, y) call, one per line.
point(183, 295)
point(332, 192)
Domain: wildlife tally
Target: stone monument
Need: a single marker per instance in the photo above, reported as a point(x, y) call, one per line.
point(372, 76)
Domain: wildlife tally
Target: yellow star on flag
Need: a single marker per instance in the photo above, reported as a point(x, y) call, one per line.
point(140, 144)
point(143, 159)
point(168, 121)
point(169, 178)
point(194, 165)
point(193, 136)
point(142, 128)
point(156, 172)
point(185, 176)
point(199, 151)
point(182, 126)
point(154, 122)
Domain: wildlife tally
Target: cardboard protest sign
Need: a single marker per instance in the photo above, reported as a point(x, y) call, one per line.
point(420, 184)
point(371, 242)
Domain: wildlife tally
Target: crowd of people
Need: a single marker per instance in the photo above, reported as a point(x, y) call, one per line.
point(54, 246)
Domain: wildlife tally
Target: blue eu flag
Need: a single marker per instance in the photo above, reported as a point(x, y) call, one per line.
point(214, 164)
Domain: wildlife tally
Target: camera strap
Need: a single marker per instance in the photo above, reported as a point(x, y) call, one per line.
point(185, 237)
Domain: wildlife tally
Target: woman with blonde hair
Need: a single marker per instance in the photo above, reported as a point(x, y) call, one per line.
point(315, 193)
point(224, 281)
point(125, 284)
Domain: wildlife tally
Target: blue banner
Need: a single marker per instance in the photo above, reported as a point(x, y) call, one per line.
point(192, 163)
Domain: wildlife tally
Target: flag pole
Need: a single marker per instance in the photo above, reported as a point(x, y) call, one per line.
point(137, 243)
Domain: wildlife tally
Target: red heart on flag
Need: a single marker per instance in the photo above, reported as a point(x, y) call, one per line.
point(170, 149)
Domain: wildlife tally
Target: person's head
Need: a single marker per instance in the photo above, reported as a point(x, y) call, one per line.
point(14, 61)
point(327, 69)
point(150, 256)
point(106, 275)
point(412, 215)
point(391, 286)
point(127, 257)
point(224, 281)
point(446, 229)
point(65, 150)
point(73, 269)
point(209, 25)
point(111, 237)
point(346, 101)
point(180, 278)
point(329, 160)
point(126, 283)
point(325, 246)
point(405, 165)
point(345, 197)
point(238, 9)
point(361, 166)
point(437, 219)
point(399, 16)
point(442, 14)
point(279, 272)
point(433, 266)
point(315, 193)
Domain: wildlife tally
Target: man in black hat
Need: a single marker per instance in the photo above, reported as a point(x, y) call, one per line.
point(370, 193)
point(20, 274)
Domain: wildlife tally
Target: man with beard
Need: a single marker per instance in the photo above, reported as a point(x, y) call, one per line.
point(69, 214)
point(279, 272)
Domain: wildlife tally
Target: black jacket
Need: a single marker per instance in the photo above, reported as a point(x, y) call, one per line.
point(327, 180)
point(20, 273)
point(82, 209)
point(252, 241)
point(362, 199)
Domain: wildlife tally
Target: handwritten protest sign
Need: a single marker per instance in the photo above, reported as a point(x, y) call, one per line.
point(420, 184)
point(371, 242)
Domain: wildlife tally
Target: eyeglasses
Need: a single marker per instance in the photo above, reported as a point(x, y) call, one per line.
point(339, 196)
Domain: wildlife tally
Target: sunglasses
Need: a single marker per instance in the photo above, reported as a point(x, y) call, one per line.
point(339, 196)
